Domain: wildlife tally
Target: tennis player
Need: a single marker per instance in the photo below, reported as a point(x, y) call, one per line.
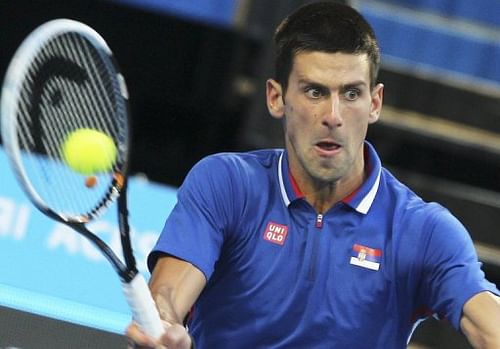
point(315, 245)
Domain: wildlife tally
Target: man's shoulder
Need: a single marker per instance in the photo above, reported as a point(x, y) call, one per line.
point(408, 204)
point(411, 210)
point(241, 161)
point(235, 169)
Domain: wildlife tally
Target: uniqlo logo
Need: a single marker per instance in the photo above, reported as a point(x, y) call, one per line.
point(276, 233)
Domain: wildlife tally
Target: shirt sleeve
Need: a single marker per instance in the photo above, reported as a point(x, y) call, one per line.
point(194, 230)
point(452, 271)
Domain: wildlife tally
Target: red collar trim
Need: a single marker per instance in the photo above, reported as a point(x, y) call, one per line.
point(296, 190)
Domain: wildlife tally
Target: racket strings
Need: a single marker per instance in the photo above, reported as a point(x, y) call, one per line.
point(95, 100)
point(69, 86)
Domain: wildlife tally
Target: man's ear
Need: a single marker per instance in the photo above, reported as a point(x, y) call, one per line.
point(376, 106)
point(274, 98)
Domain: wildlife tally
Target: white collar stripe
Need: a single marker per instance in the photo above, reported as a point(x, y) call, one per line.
point(367, 201)
point(284, 195)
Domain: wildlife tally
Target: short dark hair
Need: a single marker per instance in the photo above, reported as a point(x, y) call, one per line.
point(326, 27)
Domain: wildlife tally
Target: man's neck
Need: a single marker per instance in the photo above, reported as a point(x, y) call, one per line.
point(324, 195)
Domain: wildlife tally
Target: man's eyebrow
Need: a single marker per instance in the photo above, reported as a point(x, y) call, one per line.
point(305, 81)
point(359, 83)
point(356, 83)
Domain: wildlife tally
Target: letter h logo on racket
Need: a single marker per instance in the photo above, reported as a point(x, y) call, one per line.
point(276, 233)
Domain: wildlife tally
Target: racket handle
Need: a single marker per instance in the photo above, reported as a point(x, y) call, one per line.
point(143, 307)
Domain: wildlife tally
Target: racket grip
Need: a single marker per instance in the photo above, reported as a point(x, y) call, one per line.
point(143, 307)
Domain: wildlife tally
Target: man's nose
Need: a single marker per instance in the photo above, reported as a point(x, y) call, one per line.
point(332, 117)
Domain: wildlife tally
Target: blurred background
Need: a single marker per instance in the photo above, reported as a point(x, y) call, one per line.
point(196, 71)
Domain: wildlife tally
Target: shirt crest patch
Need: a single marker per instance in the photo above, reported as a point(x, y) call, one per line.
point(276, 233)
point(366, 257)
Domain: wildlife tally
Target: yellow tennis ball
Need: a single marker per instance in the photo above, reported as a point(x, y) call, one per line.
point(89, 151)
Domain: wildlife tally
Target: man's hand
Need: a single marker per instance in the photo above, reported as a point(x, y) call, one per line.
point(175, 337)
point(175, 285)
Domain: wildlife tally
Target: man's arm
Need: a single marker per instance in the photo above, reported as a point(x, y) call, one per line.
point(175, 286)
point(480, 320)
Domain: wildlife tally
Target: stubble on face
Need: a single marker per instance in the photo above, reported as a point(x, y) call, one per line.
point(324, 128)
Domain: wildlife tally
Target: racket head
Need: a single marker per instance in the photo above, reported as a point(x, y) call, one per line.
point(63, 78)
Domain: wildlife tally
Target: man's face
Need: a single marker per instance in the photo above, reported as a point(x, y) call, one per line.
point(326, 110)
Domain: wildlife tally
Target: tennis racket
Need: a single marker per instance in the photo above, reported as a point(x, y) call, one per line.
point(63, 78)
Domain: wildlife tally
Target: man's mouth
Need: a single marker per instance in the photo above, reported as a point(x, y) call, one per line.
point(327, 146)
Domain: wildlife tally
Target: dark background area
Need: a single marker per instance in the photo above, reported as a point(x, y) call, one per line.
point(197, 88)
point(178, 74)
point(188, 99)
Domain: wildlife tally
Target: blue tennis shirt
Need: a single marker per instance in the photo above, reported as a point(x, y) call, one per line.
point(281, 275)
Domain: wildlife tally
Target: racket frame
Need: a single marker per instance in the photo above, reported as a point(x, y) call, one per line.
point(133, 283)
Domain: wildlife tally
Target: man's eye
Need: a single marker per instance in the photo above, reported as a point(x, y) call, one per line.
point(313, 92)
point(351, 95)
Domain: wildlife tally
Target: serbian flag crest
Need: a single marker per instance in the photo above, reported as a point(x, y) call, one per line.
point(366, 257)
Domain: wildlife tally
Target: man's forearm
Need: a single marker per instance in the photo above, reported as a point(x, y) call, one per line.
point(481, 321)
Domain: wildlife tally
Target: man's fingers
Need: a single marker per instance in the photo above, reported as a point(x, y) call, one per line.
point(137, 339)
point(176, 337)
